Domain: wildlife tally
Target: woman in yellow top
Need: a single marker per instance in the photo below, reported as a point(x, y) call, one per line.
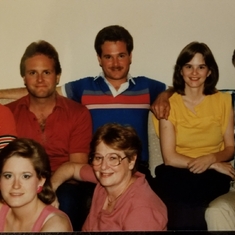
point(197, 140)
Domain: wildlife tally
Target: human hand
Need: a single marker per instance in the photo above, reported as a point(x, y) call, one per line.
point(161, 106)
point(224, 168)
point(200, 164)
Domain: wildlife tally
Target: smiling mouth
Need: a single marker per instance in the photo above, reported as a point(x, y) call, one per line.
point(194, 79)
point(105, 174)
point(16, 194)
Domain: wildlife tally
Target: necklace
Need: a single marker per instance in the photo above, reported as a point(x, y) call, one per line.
point(115, 199)
point(110, 202)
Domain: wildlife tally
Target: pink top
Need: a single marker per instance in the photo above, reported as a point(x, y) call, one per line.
point(47, 210)
point(137, 209)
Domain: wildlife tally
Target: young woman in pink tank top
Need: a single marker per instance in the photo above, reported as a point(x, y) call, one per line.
point(26, 192)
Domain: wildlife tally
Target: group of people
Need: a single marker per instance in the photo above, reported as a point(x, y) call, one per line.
point(85, 144)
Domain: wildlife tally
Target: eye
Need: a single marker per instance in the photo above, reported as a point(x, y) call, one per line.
point(113, 157)
point(202, 67)
point(7, 175)
point(26, 176)
point(47, 72)
point(97, 158)
point(122, 55)
point(31, 72)
point(188, 66)
point(107, 57)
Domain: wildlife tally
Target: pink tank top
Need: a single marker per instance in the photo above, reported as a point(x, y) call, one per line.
point(47, 210)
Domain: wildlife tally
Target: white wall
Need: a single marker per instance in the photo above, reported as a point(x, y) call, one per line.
point(161, 28)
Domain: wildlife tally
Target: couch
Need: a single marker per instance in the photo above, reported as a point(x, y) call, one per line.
point(220, 215)
point(220, 211)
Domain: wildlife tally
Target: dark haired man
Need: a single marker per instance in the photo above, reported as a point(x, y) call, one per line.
point(62, 126)
point(114, 95)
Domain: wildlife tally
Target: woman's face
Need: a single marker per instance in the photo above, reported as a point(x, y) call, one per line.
point(19, 182)
point(108, 175)
point(195, 72)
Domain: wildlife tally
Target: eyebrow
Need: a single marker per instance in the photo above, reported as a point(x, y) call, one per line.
point(197, 65)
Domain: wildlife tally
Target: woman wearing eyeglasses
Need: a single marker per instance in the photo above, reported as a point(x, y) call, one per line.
point(122, 200)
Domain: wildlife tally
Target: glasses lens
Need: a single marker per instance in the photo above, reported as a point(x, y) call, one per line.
point(97, 160)
point(113, 159)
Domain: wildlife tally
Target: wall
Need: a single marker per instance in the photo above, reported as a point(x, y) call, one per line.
point(161, 28)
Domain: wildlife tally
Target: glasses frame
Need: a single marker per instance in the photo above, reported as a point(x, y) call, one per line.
point(119, 158)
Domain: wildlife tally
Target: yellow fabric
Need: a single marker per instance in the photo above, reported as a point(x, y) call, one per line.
point(201, 132)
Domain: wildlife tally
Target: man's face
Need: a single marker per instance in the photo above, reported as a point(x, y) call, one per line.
point(40, 78)
point(115, 61)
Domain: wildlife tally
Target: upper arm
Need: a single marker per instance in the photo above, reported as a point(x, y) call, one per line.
point(168, 146)
point(58, 222)
point(167, 138)
point(81, 158)
point(229, 132)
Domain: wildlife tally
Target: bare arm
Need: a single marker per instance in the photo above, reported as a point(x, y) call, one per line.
point(13, 93)
point(161, 106)
point(67, 171)
point(17, 93)
point(168, 146)
point(58, 222)
point(81, 158)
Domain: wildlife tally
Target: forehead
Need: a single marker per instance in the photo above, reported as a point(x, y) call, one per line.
point(17, 163)
point(114, 47)
point(198, 58)
point(39, 61)
point(103, 149)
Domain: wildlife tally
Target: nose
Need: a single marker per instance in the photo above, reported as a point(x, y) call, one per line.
point(39, 77)
point(104, 164)
point(194, 70)
point(16, 183)
point(115, 61)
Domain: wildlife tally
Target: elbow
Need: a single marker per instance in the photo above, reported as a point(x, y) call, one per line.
point(167, 161)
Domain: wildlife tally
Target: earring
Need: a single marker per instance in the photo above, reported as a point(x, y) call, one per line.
point(39, 190)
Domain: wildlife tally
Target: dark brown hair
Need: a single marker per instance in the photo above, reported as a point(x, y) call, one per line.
point(30, 149)
point(185, 56)
point(113, 33)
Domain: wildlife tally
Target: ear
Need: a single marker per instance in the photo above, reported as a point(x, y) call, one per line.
point(209, 73)
point(58, 79)
point(132, 162)
point(130, 57)
point(99, 60)
point(41, 182)
point(24, 81)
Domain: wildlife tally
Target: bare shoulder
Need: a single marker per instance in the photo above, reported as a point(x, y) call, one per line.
point(57, 222)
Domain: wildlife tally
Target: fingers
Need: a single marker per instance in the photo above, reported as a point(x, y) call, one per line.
point(197, 170)
point(161, 111)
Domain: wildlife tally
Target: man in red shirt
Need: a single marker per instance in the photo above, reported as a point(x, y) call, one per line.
point(61, 125)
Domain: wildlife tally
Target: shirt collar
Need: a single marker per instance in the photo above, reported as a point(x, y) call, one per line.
point(129, 77)
point(25, 101)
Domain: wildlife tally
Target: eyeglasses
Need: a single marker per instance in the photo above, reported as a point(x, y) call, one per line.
point(112, 159)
